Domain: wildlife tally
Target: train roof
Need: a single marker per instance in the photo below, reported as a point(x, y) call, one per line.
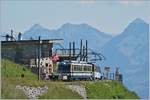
point(76, 62)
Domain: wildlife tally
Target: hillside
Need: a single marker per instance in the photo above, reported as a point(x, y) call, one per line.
point(129, 51)
point(15, 74)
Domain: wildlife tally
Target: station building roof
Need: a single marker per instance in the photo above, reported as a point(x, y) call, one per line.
point(32, 42)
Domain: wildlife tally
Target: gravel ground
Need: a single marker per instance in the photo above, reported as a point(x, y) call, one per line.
point(32, 92)
point(79, 89)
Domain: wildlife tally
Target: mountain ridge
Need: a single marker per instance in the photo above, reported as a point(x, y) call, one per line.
point(130, 51)
point(69, 32)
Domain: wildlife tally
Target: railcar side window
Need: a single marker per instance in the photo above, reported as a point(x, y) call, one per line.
point(81, 68)
point(77, 68)
point(87, 68)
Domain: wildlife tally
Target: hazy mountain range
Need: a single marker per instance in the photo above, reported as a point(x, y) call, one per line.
point(128, 50)
point(70, 32)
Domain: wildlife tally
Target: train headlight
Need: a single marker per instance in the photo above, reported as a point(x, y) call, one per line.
point(65, 77)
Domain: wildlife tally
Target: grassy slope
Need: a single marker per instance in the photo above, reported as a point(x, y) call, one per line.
point(108, 90)
point(11, 76)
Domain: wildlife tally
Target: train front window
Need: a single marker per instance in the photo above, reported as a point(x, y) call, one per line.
point(64, 68)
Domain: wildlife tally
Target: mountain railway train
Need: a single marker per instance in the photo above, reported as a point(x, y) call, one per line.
point(75, 70)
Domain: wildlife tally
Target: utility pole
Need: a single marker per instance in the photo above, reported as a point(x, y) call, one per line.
point(83, 53)
point(11, 38)
point(117, 73)
point(81, 50)
point(70, 51)
point(74, 50)
point(39, 56)
point(86, 51)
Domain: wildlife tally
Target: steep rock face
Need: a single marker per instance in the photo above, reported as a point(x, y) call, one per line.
point(129, 51)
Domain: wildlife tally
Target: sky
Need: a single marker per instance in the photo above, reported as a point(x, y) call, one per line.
point(110, 16)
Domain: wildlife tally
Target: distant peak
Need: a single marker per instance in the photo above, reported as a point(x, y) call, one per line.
point(82, 24)
point(67, 24)
point(36, 26)
point(139, 20)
